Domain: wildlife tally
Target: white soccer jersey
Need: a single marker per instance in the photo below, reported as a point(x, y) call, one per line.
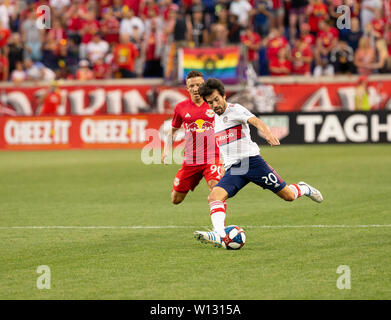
point(233, 135)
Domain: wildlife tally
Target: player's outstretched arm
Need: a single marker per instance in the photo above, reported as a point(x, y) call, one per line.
point(264, 130)
point(168, 144)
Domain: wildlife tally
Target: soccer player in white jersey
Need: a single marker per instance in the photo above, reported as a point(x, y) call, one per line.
point(242, 161)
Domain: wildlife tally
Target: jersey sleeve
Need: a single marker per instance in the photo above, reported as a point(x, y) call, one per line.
point(241, 114)
point(177, 120)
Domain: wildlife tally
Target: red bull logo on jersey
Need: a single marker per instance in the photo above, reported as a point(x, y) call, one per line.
point(210, 113)
point(229, 135)
point(199, 126)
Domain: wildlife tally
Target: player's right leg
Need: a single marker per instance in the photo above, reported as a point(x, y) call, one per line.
point(217, 213)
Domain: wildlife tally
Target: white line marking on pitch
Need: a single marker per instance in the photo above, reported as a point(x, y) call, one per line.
point(185, 227)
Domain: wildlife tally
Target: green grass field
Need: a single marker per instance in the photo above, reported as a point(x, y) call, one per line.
point(293, 250)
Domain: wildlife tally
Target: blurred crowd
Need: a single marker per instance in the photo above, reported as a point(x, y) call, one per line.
point(103, 39)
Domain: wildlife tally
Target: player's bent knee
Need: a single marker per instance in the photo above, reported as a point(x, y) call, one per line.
point(177, 198)
point(212, 184)
point(289, 197)
point(211, 197)
point(217, 194)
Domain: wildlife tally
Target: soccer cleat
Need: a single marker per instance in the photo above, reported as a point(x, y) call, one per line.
point(209, 237)
point(314, 193)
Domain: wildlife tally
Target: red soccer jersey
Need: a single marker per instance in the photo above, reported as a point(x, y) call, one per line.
point(198, 122)
point(301, 67)
point(318, 12)
point(309, 39)
point(327, 37)
point(274, 45)
point(275, 63)
point(252, 39)
point(379, 25)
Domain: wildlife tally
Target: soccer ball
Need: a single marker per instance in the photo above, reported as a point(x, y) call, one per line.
point(237, 236)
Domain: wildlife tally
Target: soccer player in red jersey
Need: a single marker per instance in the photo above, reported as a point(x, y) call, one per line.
point(51, 101)
point(201, 151)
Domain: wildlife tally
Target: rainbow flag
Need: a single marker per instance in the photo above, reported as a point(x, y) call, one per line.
point(221, 63)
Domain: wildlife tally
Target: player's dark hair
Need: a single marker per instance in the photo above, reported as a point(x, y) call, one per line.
point(194, 74)
point(211, 85)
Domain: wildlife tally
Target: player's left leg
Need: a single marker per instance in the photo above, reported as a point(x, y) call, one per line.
point(217, 214)
point(226, 188)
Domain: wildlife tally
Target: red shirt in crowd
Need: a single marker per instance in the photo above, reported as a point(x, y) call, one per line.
point(276, 4)
point(151, 48)
point(301, 67)
point(4, 36)
point(277, 63)
point(125, 55)
point(74, 24)
point(110, 29)
point(75, 21)
point(379, 25)
point(328, 37)
point(4, 63)
point(88, 28)
point(318, 11)
point(387, 10)
point(50, 104)
point(309, 39)
point(84, 74)
point(274, 45)
point(251, 39)
point(148, 8)
point(133, 4)
point(101, 70)
point(104, 4)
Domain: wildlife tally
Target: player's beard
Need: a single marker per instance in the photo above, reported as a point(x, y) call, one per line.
point(220, 109)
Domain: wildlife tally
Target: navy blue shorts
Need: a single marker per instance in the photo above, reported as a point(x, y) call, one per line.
point(252, 169)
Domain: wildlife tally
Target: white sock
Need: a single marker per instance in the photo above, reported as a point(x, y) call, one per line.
point(217, 214)
point(299, 190)
point(304, 189)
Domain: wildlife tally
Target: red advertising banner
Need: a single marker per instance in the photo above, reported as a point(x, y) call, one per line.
point(79, 132)
point(267, 95)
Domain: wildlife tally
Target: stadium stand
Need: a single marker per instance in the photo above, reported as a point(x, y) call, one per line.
point(135, 38)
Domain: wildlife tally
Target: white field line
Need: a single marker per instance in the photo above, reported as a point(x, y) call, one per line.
point(318, 226)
